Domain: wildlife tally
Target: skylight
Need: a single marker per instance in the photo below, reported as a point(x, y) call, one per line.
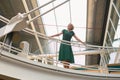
point(73, 11)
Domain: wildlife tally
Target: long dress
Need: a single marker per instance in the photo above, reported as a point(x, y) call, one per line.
point(65, 52)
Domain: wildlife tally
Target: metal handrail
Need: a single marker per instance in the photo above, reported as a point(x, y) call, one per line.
point(3, 19)
point(64, 41)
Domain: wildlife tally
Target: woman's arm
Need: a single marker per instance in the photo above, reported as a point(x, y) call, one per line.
point(78, 39)
point(56, 34)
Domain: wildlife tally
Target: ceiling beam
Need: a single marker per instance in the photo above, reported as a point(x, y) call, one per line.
point(33, 27)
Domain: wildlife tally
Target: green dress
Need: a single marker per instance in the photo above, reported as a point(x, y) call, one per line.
point(65, 52)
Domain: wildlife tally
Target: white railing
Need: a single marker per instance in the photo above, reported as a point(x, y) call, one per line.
point(5, 20)
point(53, 58)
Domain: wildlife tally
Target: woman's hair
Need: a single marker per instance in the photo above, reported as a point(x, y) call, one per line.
point(72, 27)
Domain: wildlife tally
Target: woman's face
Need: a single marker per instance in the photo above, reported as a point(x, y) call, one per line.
point(70, 27)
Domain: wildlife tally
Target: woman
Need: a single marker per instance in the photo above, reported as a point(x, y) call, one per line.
point(65, 52)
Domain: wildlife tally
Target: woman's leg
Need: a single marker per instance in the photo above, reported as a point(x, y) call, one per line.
point(65, 64)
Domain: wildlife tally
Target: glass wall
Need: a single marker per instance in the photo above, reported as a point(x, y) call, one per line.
point(112, 37)
point(113, 28)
